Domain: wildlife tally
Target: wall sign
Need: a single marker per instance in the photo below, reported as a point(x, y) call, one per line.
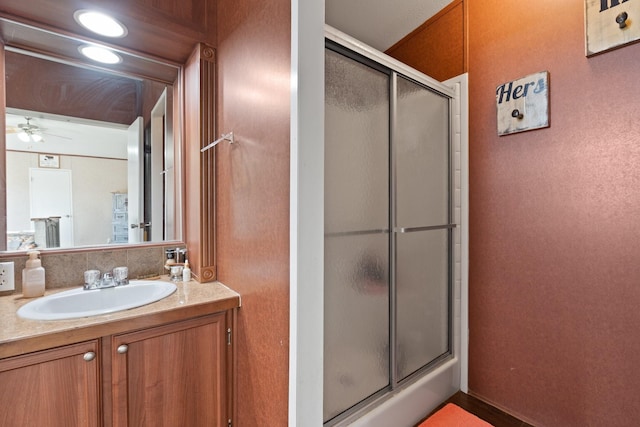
point(610, 24)
point(48, 160)
point(523, 104)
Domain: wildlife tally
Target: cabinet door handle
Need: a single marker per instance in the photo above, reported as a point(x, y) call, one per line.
point(89, 356)
point(122, 349)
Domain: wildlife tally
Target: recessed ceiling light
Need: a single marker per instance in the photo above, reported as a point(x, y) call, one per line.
point(100, 54)
point(100, 23)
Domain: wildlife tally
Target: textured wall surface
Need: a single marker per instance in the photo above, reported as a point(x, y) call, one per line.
point(253, 197)
point(554, 222)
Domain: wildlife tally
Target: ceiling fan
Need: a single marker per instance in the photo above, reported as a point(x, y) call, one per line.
point(27, 131)
point(30, 132)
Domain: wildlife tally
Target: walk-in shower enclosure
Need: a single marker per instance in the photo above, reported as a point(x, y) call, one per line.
point(389, 230)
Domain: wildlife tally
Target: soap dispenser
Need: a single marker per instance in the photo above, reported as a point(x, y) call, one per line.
point(33, 276)
point(186, 271)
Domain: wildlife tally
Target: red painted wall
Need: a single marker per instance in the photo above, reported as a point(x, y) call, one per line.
point(253, 53)
point(554, 222)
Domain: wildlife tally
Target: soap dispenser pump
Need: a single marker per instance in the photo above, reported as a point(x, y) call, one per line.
point(33, 276)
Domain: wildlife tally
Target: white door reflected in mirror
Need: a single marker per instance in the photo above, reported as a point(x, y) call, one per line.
point(135, 180)
point(51, 206)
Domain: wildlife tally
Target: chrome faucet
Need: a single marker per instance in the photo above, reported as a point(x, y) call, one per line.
point(107, 281)
point(93, 281)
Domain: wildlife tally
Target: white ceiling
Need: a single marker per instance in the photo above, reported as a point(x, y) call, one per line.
point(380, 23)
point(67, 135)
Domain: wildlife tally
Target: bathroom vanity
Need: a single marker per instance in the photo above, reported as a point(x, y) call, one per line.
point(166, 363)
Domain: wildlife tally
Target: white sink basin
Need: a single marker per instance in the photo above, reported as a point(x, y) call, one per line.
point(80, 303)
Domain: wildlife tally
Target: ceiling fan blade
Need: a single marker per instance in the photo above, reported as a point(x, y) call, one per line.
point(57, 136)
point(12, 129)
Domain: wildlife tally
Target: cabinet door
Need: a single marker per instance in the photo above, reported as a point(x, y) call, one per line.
point(57, 387)
point(173, 375)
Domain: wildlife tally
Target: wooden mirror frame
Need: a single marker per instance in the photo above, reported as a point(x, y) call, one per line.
point(199, 177)
point(138, 68)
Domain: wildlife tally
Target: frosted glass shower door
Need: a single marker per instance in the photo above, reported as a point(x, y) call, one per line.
point(356, 338)
point(422, 226)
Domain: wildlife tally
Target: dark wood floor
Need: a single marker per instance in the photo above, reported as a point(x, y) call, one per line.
point(483, 410)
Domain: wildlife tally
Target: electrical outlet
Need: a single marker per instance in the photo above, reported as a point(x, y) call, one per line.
point(7, 279)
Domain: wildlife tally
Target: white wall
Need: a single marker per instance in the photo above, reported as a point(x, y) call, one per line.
point(306, 214)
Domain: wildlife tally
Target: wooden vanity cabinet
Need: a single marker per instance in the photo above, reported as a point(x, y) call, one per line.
point(172, 375)
point(176, 374)
point(57, 387)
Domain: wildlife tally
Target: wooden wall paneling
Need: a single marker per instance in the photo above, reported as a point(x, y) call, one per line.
point(253, 181)
point(3, 155)
point(438, 47)
point(40, 85)
point(200, 167)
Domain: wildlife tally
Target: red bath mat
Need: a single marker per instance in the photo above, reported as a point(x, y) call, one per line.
point(453, 416)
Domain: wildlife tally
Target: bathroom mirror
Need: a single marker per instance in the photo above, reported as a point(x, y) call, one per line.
point(92, 152)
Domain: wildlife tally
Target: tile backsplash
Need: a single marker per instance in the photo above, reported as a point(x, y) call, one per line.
point(67, 269)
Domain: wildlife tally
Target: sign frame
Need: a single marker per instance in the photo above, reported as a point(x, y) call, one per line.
point(49, 161)
point(610, 24)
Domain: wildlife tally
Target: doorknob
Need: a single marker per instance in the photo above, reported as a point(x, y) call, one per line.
point(141, 225)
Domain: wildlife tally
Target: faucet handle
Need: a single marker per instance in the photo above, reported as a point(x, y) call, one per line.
point(91, 279)
point(121, 275)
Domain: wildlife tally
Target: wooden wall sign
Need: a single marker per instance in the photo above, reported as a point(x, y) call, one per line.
point(523, 104)
point(610, 24)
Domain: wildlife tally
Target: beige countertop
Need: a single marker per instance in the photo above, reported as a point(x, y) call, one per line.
point(191, 299)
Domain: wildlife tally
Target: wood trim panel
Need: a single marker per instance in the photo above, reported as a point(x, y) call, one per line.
point(107, 390)
point(232, 365)
point(200, 93)
point(438, 47)
point(3, 156)
point(208, 183)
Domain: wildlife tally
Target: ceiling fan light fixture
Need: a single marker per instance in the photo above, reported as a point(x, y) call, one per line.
point(100, 54)
point(100, 23)
point(23, 136)
point(36, 137)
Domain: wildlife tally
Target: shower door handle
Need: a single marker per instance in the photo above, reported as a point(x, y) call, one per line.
point(425, 228)
point(356, 232)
